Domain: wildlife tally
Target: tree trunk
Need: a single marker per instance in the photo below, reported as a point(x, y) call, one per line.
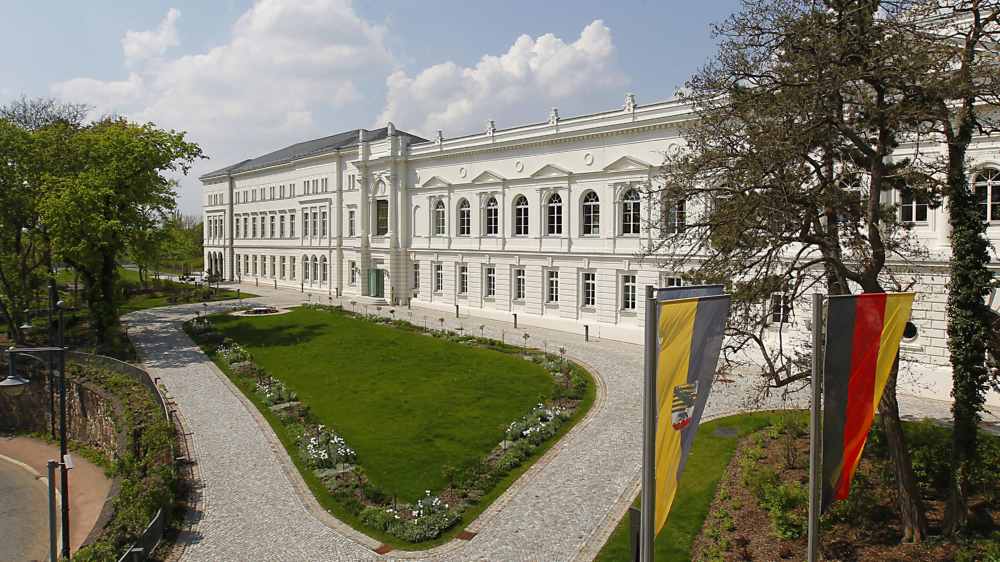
point(103, 311)
point(911, 505)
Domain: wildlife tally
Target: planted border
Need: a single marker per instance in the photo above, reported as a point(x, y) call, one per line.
point(336, 476)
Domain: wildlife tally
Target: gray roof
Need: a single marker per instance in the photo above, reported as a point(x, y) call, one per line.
point(305, 149)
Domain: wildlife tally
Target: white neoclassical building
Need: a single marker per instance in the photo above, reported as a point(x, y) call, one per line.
point(543, 220)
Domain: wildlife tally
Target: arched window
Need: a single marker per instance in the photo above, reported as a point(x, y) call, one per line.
point(492, 217)
point(439, 215)
point(553, 215)
point(591, 214)
point(676, 216)
point(315, 272)
point(987, 187)
point(323, 269)
point(521, 216)
point(464, 218)
point(630, 212)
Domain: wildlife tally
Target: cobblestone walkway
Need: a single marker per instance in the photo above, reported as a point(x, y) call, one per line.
point(253, 507)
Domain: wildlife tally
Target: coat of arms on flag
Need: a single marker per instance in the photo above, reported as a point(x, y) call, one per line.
point(685, 396)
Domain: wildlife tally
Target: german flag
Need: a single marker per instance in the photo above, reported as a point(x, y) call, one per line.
point(862, 340)
point(689, 340)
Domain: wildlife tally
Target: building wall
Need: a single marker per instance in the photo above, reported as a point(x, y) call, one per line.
point(607, 153)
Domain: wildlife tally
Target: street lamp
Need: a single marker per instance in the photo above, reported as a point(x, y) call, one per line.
point(15, 384)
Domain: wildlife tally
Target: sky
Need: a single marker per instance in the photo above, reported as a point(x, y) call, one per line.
point(245, 77)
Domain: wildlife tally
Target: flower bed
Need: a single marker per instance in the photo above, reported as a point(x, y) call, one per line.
point(336, 465)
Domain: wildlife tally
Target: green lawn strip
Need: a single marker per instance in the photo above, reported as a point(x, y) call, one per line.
point(710, 455)
point(379, 372)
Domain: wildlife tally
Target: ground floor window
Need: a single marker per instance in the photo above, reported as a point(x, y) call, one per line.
point(291, 267)
point(491, 281)
point(552, 286)
point(438, 277)
point(589, 288)
point(255, 265)
point(273, 268)
point(673, 282)
point(628, 292)
point(781, 308)
point(416, 276)
point(282, 267)
point(519, 284)
point(352, 267)
point(463, 279)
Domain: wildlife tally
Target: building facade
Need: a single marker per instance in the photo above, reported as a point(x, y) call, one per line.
point(546, 221)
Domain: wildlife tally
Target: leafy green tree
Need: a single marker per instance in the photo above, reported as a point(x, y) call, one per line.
point(961, 95)
point(116, 190)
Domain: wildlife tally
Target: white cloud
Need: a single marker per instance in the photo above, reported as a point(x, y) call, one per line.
point(285, 65)
point(514, 88)
point(141, 45)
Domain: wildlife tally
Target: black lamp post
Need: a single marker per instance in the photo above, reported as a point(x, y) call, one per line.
point(15, 385)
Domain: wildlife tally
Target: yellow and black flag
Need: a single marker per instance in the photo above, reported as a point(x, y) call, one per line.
point(688, 342)
point(862, 340)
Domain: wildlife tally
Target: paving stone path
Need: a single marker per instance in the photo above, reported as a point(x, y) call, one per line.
point(254, 506)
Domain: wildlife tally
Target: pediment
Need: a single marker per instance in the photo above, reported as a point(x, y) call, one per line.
point(435, 181)
point(626, 163)
point(488, 177)
point(550, 171)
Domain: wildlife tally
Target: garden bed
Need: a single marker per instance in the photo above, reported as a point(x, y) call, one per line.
point(405, 437)
point(759, 510)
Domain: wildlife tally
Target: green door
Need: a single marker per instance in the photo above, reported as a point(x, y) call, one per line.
point(376, 283)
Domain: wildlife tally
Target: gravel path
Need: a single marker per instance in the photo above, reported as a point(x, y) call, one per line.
point(255, 507)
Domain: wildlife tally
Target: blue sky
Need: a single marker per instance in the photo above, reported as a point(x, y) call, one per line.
point(247, 77)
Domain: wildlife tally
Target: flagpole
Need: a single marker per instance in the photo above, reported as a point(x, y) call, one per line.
point(648, 431)
point(815, 435)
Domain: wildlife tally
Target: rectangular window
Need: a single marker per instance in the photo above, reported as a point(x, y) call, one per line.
point(781, 308)
point(438, 277)
point(272, 226)
point(291, 268)
point(416, 276)
point(322, 224)
point(315, 225)
point(281, 226)
point(246, 264)
point(351, 178)
point(552, 286)
point(673, 282)
point(282, 267)
point(589, 289)
point(912, 209)
point(463, 279)
point(491, 282)
point(255, 227)
point(305, 223)
point(519, 284)
point(281, 191)
point(351, 228)
point(315, 186)
point(381, 217)
point(628, 292)
point(263, 266)
point(237, 225)
point(323, 184)
point(273, 268)
point(291, 227)
point(255, 265)
point(676, 217)
point(291, 192)
point(353, 268)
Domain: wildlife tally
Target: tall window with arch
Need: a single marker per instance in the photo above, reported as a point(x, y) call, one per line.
point(521, 216)
point(591, 214)
point(492, 217)
point(315, 270)
point(987, 186)
point(464, 218)
point(630, 212)
point(553, 215)
point(439, 218)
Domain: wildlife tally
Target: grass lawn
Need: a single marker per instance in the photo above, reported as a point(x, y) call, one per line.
point(713, 448)
point(408, 403)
